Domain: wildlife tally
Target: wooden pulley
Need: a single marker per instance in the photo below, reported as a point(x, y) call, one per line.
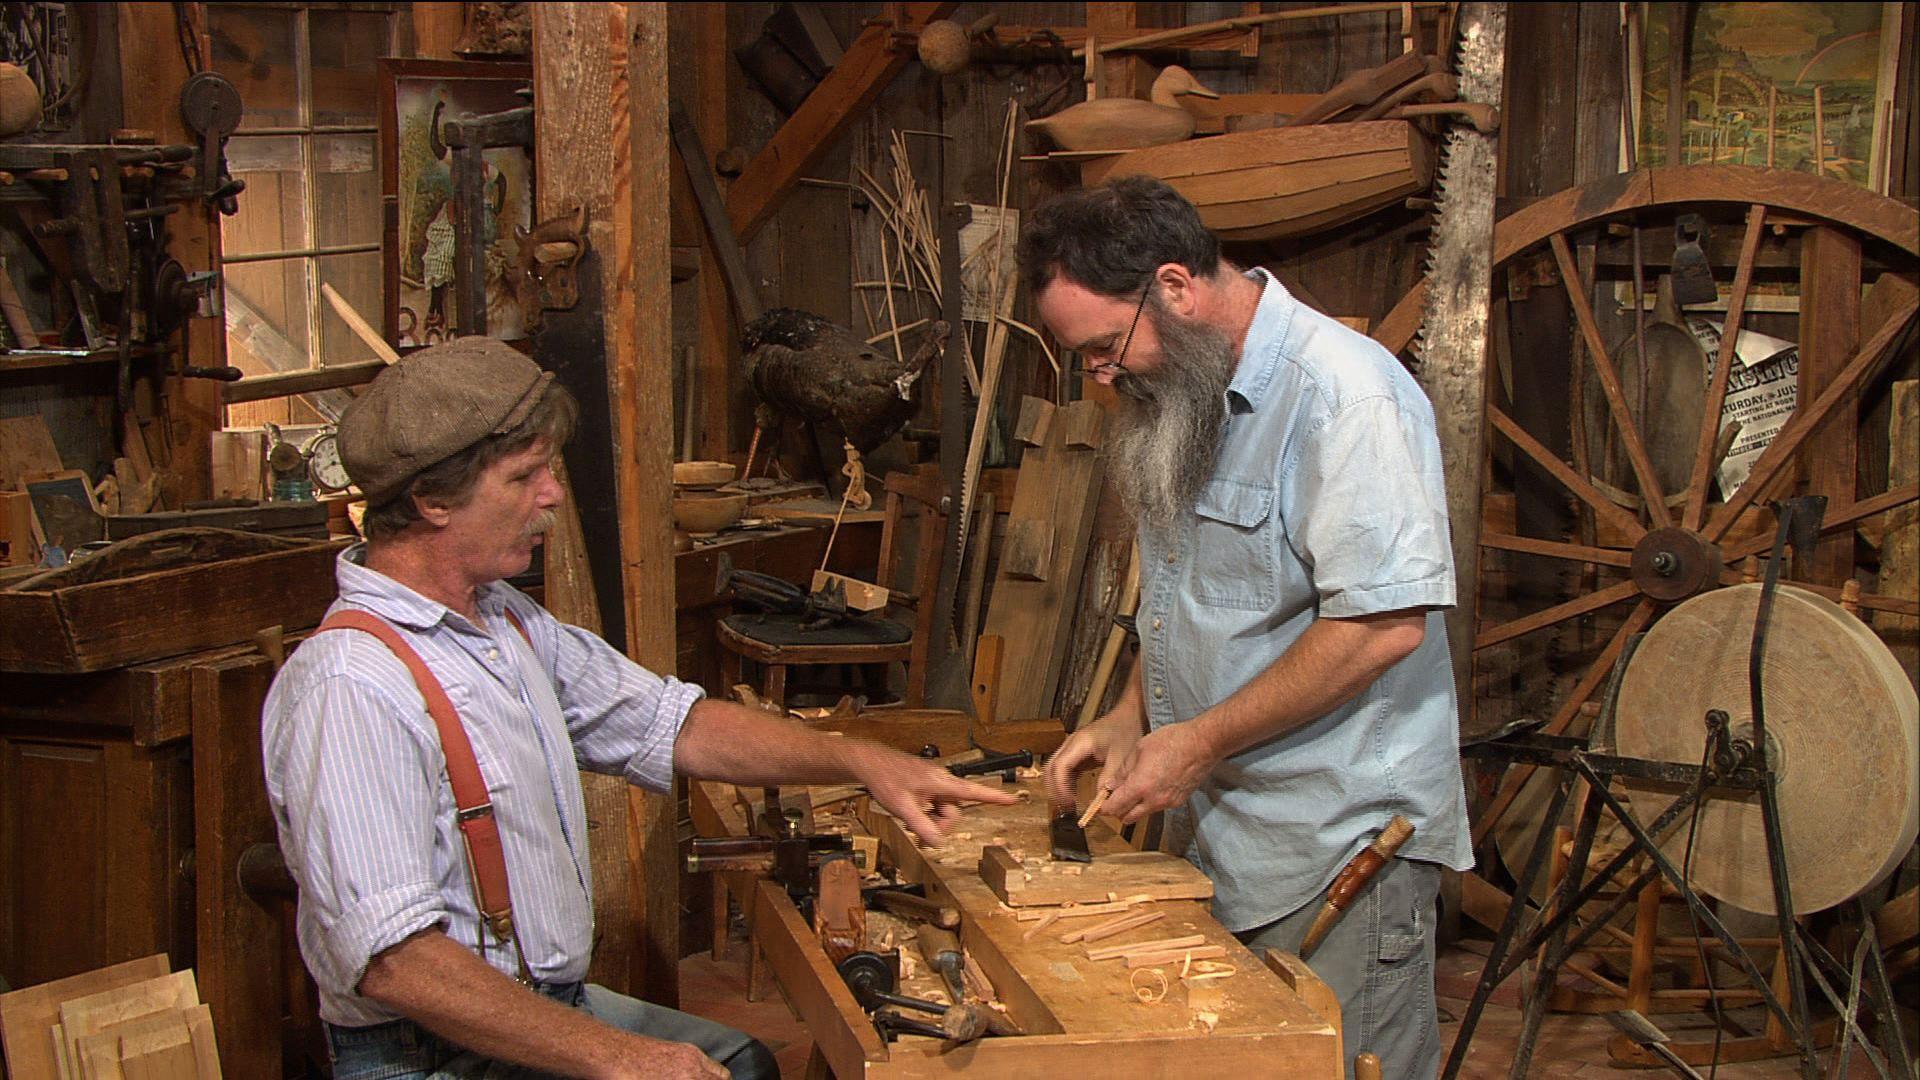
point(1843, 735)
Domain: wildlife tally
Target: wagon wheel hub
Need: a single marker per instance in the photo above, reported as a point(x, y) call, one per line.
point(1672, 564)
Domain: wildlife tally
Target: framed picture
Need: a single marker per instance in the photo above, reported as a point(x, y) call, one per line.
point(416, 97)
point(1792, 86)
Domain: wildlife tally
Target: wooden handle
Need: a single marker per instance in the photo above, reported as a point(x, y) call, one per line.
point(1353, 878)
point(936, 943)
point(1366, 1067)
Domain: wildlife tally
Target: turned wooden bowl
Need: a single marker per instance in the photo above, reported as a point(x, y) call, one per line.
point(702, 475)
point(707, 511)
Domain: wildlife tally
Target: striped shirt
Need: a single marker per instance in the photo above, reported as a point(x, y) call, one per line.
point(359, 785)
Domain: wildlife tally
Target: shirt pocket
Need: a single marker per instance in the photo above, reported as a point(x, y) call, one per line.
point(1232, 557)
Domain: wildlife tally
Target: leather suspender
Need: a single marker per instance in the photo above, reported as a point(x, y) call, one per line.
point(486, 859)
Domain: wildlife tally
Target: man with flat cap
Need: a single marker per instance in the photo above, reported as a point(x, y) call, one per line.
point(422, 748)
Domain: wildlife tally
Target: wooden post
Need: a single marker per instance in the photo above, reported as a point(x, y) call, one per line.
point(606, 146)
point(1124, 75)
point(715, 333)
point(1829, 334)
point(437, 25)
point(152, 70)
point(642, 383)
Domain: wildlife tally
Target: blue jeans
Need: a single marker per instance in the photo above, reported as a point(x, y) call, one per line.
point(1378, 960)
point(403, 1050)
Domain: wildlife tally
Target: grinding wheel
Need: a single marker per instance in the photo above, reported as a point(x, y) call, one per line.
point(1843, 732)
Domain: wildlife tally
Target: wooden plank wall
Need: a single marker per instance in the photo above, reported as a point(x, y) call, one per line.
point(806, 255)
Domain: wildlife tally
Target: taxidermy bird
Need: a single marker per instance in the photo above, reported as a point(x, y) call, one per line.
point(1127, 123)
point(808, 368)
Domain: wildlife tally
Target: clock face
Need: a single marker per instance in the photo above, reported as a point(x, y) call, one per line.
point(323, 463)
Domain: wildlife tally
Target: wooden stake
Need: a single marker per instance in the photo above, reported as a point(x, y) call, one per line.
point(1819, 131)
point(1112, 926)
point(1773, 99)
point(1111, 952)
point(1203, 952)
point(1093, 807)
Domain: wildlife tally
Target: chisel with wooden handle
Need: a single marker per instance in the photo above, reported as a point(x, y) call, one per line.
point(1353, 878)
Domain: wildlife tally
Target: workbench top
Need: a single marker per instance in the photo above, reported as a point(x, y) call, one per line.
point(1079, 1013)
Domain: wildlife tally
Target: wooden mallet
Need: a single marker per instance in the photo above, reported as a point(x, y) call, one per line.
point(1353, 878)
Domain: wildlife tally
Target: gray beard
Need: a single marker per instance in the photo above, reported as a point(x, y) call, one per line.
point(1166, 431)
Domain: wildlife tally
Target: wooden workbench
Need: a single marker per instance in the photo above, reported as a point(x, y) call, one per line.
point(1079, 1014)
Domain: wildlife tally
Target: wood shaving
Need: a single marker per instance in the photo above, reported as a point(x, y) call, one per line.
point(1145, 995)
point(1072, 869)
point(1039, 926)
point(1210, 969)
point(1205, 1020)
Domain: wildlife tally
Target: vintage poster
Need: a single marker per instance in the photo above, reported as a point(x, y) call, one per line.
point(1761, 393)
point(1793, 86)
point(423, 306)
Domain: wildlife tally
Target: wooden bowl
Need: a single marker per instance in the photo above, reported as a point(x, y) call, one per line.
point(707, 511)
point(702, 475)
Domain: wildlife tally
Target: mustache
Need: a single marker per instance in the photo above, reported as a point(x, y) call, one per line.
point(541, 523)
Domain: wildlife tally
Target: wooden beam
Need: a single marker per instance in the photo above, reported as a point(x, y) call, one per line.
point(869, 65)
point(715, 335)
point(608, 148)
point(641, 379)
point(437, 25)
point(1123, 75)
point(152, 71)
point(1829, 334)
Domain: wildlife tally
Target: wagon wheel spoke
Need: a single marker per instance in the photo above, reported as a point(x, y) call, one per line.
point(1656, 499)
point(1842, 519)
point(1554, 549)
point(1582, 691)
point(1603, 507)
point(1701, 477)
point(1507, 631)
point(1805, 421)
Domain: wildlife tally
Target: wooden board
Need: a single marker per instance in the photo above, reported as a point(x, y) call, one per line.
point(1039, 881)
point(81, 1017)
point(1285, 181)
point(26, 449)
point(1058, 491)
point(105, 624)
point(27, 1015)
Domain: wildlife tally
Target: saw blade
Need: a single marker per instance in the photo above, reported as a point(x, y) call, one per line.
point(1451, 346)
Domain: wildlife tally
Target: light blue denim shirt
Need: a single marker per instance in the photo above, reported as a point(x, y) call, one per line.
point(1326, 502)
point(358, 782)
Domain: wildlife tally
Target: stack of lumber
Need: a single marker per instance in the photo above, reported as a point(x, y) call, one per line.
point(131, 1021)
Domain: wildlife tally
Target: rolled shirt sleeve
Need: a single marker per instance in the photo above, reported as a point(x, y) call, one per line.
point(1375, 529)
point(359, 815)
point(622, 718)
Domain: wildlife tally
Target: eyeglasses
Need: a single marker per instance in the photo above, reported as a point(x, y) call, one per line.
point(1119, 363)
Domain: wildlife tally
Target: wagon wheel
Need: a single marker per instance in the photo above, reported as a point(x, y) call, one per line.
point(1666, 551)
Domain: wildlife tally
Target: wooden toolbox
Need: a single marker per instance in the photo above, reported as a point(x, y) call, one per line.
point(163, 594)
point(1081, 1016)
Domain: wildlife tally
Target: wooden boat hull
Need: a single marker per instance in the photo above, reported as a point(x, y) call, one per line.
point(1275, 182)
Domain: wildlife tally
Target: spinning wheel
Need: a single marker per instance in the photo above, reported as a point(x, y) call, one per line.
point(1648, 550)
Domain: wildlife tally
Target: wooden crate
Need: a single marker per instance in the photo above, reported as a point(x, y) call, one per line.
point(92, 627)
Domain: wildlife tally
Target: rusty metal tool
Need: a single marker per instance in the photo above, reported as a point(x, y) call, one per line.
point(943, 954)
point(1068, 837)
point(1353, 878)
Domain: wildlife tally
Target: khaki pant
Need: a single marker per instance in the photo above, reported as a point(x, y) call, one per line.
point(1379, 962)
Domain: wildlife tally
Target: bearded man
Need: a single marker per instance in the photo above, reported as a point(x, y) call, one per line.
point(1293, 689)
point(422, 751)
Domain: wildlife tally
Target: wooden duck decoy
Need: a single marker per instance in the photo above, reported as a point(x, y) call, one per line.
point(1127, 123)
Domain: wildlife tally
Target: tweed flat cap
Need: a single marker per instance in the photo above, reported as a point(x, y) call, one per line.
point(431, 405)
